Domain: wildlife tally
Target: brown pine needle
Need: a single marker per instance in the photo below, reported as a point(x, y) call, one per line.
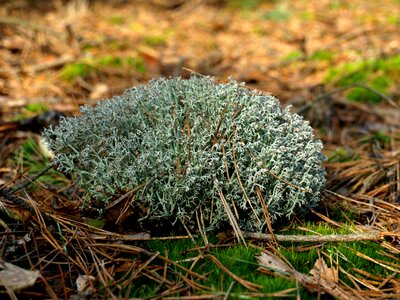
point(232, 219)
point(247, 284)
point(138, 250)
point(241, 184)
point(267, 218)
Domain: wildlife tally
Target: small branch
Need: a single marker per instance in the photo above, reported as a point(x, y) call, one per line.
point(7, 194)
point(31, 180)
point(131, 238)
point(367, 236)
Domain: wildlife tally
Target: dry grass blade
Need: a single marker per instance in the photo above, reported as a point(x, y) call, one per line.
point(126, 195)
point(369, 205)
point(241, 184)
point(267, 218)
point(216, 133)
point(101, 272)
point(281, 294)
point(232, 219)
point(134, 274)
point(196, 297)
point(396, 268)
point(201, 227)
point(193, 284)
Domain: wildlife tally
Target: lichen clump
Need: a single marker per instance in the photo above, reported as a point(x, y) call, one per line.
point(186, 144)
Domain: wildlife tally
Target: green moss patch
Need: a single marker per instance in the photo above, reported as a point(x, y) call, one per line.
point(379, 74)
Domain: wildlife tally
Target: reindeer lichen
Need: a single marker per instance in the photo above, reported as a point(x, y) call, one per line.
point(185, 144)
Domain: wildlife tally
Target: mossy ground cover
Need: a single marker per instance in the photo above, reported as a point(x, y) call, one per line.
point(379, 74)
point(242, 261)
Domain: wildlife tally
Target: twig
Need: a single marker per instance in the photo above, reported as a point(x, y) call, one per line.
point(367, 236)
point(7, 193)
point(193, 72)
point(128, 238)
point(31, 180)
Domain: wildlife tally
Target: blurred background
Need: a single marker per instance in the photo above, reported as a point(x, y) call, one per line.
point(57, 55)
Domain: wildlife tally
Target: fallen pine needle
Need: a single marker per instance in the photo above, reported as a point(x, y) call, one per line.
point(247, 284)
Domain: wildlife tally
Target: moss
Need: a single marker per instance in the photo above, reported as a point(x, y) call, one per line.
point(37, 107)
point(278, 14)
point(244, 4)
point(71, 72)
point(242, 262)
point(380, 74)
point(293, 56)
point(88, 66)
point(155, 40)
point(342, 155)
point(116, 20)
point(322, 55)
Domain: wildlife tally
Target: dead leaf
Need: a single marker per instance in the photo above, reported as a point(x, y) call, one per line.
point(324, 279)
point(274, 264)
point(321, 271)
point(15, 277)
point(83, 282)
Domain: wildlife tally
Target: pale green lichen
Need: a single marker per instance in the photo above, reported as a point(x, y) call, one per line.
point(188, 141)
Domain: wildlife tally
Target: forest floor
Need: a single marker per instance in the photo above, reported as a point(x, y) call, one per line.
point(336, 62)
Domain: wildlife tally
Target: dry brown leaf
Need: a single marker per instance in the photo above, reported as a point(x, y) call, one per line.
point(15, 277)
point(321, 271)
point(324, 279)
point(83, 282)
point(274, 264)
